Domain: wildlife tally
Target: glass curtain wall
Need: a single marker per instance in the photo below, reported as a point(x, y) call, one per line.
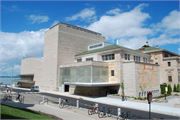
point(84, 75)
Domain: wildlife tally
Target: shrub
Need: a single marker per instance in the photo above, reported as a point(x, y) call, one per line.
point(169, 89)
point(145, 98)
point(140, 98)
point(174, 89)
point(177, 89)
point(162, 89)
point(135, 98)
point(176, 95)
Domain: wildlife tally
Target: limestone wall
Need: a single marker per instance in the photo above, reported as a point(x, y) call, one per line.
point(33, 66)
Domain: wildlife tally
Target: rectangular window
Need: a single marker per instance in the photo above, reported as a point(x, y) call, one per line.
point(89, 59)
point(170, 78)
point(108, 57)
point(79, 60)
point(139, 58)
point(134, 58)
point(128, 56)
point(125, 56)
point(169, 63)
point(112, 72)
point(144, 59)
point(156, 63)
point(165, 55)
point(178, 78)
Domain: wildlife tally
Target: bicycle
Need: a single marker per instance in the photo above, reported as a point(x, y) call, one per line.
point(93, 110)
point(6, 97)
point(63, 103)
point(124, 115)
point(105, 113)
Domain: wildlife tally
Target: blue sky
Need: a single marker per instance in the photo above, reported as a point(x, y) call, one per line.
point(132, 23)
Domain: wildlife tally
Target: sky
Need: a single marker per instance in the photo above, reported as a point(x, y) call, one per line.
point(131, 23)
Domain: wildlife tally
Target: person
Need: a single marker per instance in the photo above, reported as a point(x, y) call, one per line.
point(18, 96)
point(7, 89)
point(122, 96)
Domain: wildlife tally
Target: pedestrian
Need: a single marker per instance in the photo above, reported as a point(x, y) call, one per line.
point(18, 96)
point(7, 89)
point(122, 96)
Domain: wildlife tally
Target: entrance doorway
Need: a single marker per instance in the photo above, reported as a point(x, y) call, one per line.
point(66, 88)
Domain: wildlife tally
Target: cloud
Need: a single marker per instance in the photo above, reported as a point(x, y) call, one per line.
point(114, 11)
point(87, 14)
point(54, 23)
point(125, 24)
point(16, 45)
point(12, 8)
point(38, 18)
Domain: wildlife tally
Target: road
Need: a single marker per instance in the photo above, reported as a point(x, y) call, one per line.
point(84, 103)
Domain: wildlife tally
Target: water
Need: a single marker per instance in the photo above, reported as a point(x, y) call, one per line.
point(7, 79)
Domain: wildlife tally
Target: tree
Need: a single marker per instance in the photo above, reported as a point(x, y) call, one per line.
point(162, 89)
point(169, 89)
point(174, 89)
point(122, 86)
point(177, 89)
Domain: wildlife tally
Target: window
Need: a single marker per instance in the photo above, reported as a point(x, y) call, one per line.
point(169, 63)
point(165, 55)
point(79, 60)
point(89, 59)
point(144, 59)
point(125, 56)
point(108, 57)
point(128, 56)
point(112, 72)
point(156, 63)
point(139, 58)
point(134, 57)
point(170, 78)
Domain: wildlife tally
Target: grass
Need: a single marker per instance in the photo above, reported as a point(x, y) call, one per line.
point(8, 112)
point(161, 96)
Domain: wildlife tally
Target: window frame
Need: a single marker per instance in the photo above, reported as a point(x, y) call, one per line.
point(112, 73)
point(169, 64)
point(169, 78)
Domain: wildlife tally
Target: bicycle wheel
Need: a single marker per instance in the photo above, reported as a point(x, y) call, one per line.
point(90, 111)
point(100, 114)
point(61, 105)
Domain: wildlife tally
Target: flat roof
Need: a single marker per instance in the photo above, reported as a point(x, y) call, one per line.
point(24, 81)
point(25, 74)
point(93, 84)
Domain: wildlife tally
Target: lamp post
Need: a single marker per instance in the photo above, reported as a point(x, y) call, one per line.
point(166, 89)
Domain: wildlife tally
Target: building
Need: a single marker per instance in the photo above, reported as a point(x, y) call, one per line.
point(169, 63)
point(79, 61)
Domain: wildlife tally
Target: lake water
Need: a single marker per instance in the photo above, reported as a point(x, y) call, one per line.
point(7, 80)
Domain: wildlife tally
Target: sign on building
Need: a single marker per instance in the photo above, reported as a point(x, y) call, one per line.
point(148, 67)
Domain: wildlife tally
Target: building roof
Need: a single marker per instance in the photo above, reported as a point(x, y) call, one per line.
point(148, 49)
point(110, 47)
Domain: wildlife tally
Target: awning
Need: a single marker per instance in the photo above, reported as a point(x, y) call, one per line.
point(25, 74)
point(24, 81)
point(92, 84)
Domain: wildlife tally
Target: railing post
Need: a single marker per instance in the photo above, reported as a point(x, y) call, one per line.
point(77, 103)
point(59, 101)
point(119, 111)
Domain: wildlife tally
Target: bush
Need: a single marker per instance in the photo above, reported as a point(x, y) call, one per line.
point(174, 89)
point(140, 98)
point(177, 89)
point(162, 89)
point(145, 98)
point(169, 89)
point(176, 95)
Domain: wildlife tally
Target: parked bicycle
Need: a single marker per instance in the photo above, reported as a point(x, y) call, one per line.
point(63, 103)
point(105, 113)
point(93, 110)
point(7, 97)
point(124, 115)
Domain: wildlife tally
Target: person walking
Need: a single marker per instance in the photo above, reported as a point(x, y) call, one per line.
point(18, 96)
point(122, 96)
point(7, 89)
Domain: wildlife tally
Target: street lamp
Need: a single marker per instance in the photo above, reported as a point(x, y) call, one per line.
point(166, 89)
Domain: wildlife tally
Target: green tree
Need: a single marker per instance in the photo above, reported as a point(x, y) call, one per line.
point(174, 89)
point(169, 89)
point(177, 89)
point(162, 89)
point(122, 86)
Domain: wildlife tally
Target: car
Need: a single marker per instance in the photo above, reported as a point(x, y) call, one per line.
point(35, 88)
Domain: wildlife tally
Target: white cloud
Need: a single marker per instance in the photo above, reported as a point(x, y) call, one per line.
point(125, 24)
point(54, 23)
point(86, 14)
point(38, 18)
point(12, 8)
point(114, 11)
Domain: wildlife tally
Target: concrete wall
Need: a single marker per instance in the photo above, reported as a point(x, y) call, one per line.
point(33, 66)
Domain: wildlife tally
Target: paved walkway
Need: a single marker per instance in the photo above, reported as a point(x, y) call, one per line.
point(163, 108)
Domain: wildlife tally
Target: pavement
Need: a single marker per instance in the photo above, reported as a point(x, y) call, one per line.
point(168, 108)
